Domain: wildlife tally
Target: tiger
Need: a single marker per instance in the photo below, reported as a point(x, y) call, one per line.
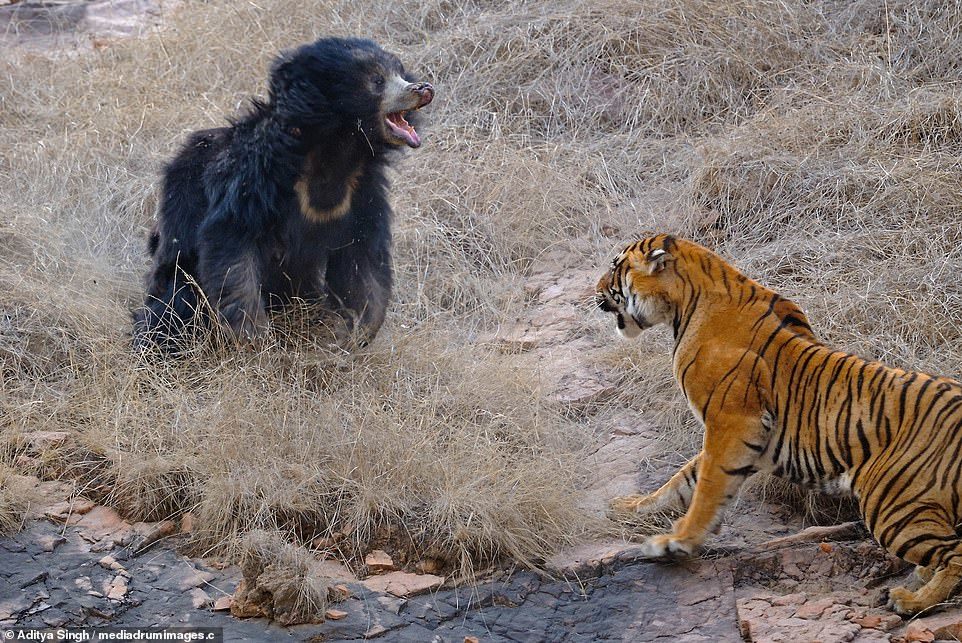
point(773, 398)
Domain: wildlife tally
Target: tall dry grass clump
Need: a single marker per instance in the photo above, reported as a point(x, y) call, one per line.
point(815, 144)
point(14, 500)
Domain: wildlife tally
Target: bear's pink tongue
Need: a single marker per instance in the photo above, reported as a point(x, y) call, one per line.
point(402, 129)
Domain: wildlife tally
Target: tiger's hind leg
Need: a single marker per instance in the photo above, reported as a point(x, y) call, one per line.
point(674, 495)
point(936, 590)
point(932, 544)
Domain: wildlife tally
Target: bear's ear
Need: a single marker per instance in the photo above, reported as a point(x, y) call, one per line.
point(280, 73)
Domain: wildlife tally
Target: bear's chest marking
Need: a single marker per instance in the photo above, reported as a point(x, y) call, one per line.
point(324, 194)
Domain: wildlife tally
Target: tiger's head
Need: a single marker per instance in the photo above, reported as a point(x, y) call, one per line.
point(637, 289)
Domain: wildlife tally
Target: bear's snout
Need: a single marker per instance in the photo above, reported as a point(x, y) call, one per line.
point(425, 92)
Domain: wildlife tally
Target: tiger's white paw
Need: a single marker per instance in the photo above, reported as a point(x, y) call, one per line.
point(634, 504)
point(904, 602)
point(666, 546)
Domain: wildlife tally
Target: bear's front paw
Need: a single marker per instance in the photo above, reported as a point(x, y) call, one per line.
point(250, 331)
point(667, 546)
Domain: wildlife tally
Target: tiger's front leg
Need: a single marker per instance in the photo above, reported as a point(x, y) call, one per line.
point(673, 496)
point(723, 465)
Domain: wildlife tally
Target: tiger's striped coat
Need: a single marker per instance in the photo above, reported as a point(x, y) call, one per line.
point(773, 398)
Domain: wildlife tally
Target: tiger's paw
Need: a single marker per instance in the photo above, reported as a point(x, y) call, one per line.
point(904, 602)
point(632, 504)
point(667, 546)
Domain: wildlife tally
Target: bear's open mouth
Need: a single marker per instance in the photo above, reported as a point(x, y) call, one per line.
point(402, 129)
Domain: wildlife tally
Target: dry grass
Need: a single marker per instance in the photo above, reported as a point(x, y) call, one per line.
point(816, 144)
point(14, 500)
point(278, 579)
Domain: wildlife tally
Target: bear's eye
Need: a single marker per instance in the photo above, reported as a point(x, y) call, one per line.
point(378, 81)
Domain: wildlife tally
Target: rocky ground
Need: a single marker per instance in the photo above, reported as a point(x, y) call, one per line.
point(82, 564)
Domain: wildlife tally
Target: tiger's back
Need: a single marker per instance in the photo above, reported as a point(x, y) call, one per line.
point(774, 398)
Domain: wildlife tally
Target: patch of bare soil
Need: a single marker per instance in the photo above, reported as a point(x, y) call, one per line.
point(60, 26)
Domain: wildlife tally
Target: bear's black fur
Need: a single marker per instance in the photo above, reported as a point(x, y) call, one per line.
point(288, 202)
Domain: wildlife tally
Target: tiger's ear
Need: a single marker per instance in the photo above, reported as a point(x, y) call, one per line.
point(654, 262)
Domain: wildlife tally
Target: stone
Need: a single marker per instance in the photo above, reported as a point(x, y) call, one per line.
point(34, 578)
point(375, 631)
point(333, 570)
point(944, 626)
point(242, 607)
point(391, 603)
point(429, 566)
point(109, 562)
point(199, 598)
point(39, 607)
point(194, 578)
point(584, 391)
point(279, 588)
point(101, 522)
point(403, 584)
point(117, 589)
point(188, 523)
point(883, 621)
point(11, 608)
point(335, 615)
point(813, 609)
point(69, 510)
point(49, 542)
point(56, 618)
point(379, 561)
point(918, 633)
point(789, 599)
point(223, 603)
point(146, 534)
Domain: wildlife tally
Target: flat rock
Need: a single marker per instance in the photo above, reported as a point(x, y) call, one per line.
point(49, 542)
point(12, 607)
point(193, 578)
point(223, 603)
point(145, 534)
point(53, 26)
point(69, 511)
point(379, 561)
point(332, 569)
point(943, 626)
point(199, 598)
point(117, 589)
point(100, 522)
point(588, 555)
point(403, 584)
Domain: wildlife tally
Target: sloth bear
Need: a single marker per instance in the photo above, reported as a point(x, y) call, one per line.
point(287, 204)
